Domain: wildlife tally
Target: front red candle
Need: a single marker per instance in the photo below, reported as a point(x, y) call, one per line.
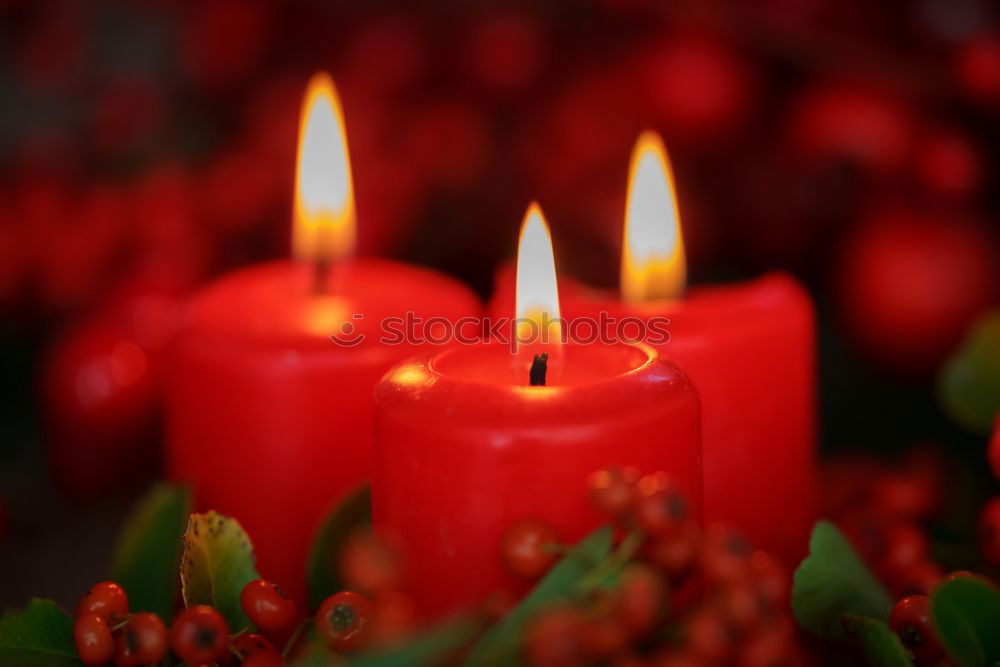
point(749, 350)
point(465, 447)
point(267, 416)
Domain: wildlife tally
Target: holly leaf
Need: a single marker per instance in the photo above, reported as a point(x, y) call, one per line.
point(966, 612)
point(148, 549)
point(353, 509)
point(430, 648)
point(499, 645)
point(40, 635)
point(217, 562)
point(969, 384)
point(833, 582)
point(880, 645)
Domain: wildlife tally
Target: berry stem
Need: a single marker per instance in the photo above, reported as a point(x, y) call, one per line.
point(601, 575)
point(241, 631)
point(294, 638)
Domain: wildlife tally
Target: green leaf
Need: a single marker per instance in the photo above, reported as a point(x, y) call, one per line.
point(832, 582)
point(353, 509)
point(969, 385)
point(217, 563)
point(40, 635)
point(500, 644)
point(430, 648)
point(966, 612)
point(148, 549)
point(880, 645)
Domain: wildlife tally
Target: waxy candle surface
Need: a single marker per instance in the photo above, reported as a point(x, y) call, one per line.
point(749, 349)
point(267, 417)
point(464, 448)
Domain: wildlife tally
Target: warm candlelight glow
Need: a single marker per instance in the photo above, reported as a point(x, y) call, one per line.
point(653, 264)
point(323, 219)
point(537, 292)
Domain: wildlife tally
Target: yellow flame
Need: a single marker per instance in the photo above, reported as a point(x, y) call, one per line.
point(653, 263)
point(323, 216)
point(537, 290)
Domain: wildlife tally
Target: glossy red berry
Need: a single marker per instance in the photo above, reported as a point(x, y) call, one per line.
point(641, 598)
point(264, 659)
point(527, 548)
point(553, 638)
point(911, 620)
point(612, 490)
point(106, 599)
point(267, 606)
point(344, 621)
point(989, 531)
point(660, 506)
point(143, 640)
point(676, 555)
point(93, 639)
point(371, 562)
point(251, 643)
point(725, 555)
point(200, 635)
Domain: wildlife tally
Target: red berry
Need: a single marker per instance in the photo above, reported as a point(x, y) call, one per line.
point(771, 579)
point(906, 545)
point(612, 490)
point(526, 548)
point(603, 637)
point(93, 639)
point(370, 562)
point(641, 598)
point(994, 449)
point(710, 638)
point(978, 68)
point(911, 620)
point(344, 620)
point(264, 659)
point(199, 635)
point(143, 640)
point(989, 531)
point(660, 506)
point(267, 606)
point(725, 555)
point(676, 555)
point(553, 638)
point(251, 643)
point(106, 599)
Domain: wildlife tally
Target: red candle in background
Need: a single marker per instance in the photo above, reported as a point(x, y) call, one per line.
point(267, 417)
point(465, 447)
point(749, 349)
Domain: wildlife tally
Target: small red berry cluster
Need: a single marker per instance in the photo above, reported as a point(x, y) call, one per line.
point(687, 595)
point(105, 630)
point(883, 508)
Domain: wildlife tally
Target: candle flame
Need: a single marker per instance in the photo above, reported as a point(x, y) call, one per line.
point(323, 216)
point(537, 306)
point(653, 263)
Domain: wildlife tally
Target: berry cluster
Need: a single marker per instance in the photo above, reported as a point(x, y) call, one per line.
point(105, 630)
point(684, 596)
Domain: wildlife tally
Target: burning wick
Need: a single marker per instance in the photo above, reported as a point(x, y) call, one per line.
point(539, 367)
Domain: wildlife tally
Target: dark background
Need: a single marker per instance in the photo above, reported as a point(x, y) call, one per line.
point(147, 146)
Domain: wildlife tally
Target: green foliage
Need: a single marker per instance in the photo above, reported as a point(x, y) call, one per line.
point(148, 549)
point(217, 562)
point(353, 510)
point(40, 635)
point(833, 582)
point(879, 644)
point(966, 613)
point(430, 648)
point(499, 645)
point(969, 385)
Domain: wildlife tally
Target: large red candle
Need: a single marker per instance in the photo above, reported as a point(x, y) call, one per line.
point(748, 348)
point(267, 416)
point(464, 448)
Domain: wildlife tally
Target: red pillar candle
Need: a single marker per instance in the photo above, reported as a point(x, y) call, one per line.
point(267, 417)
point(748, 348)
point(464, 448)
